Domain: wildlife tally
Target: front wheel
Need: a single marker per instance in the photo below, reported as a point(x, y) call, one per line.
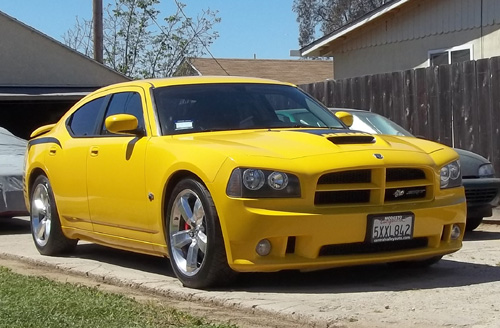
point(45, 224)
point(194, 237)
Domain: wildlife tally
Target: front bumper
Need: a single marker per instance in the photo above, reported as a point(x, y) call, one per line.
point(333, 237)
point(482, 195)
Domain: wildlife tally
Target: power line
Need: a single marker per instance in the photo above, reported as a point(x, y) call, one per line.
point(201, 41)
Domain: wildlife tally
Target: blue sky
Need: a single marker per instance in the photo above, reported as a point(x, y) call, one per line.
point(264, 28)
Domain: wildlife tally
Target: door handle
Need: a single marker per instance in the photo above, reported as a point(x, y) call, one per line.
point(52, 151)
point(94, 151)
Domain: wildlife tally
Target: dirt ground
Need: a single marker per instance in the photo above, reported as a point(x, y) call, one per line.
point(460, 291)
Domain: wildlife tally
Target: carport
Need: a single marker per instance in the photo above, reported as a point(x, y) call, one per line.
point(41, 78)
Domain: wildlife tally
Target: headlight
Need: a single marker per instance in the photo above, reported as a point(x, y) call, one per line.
point(256, 183)
point(450, 175)
point(486, 171)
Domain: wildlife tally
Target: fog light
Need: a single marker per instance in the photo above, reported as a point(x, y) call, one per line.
point(455, 231)
point(263, 247)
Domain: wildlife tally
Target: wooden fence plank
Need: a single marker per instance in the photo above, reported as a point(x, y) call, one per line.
point(421, 127)
point(479, 112)
point(445, 105)
point(434, 108)
point(493, 117)
point(458, 119)
point(409, 101)
point(397, 111)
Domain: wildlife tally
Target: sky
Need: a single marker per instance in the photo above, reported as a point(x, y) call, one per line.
point(266, 29)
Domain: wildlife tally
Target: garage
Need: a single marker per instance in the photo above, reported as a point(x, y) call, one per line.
point(41, 78)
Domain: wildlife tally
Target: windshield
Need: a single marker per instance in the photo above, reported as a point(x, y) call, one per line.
point(376, 124)
point(233, 106)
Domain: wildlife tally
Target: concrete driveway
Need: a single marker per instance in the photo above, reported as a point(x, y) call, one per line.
point(462, 290)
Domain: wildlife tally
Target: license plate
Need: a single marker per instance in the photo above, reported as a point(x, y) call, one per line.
point(390, 227)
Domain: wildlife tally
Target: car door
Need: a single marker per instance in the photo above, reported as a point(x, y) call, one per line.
point(115, 176)
point(67, 159)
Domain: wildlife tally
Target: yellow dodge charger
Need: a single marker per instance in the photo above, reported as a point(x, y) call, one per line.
point(227, 174)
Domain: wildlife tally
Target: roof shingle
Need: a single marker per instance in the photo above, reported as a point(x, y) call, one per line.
point(293, 71)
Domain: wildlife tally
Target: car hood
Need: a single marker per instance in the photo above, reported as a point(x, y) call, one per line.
point(470, 162)
point(290, 143)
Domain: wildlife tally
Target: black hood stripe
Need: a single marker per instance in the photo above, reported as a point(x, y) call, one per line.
point(333, 133)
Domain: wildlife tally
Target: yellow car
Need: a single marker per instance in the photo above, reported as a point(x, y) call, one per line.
point(211, 173)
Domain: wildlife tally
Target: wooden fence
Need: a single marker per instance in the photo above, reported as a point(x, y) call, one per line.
point(457, 105)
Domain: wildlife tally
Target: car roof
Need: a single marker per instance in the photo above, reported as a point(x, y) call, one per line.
point(186, 80)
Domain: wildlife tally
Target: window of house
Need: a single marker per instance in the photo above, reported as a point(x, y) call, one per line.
point(450, 56)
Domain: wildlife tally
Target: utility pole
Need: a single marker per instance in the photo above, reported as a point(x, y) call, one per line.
point(98, 30)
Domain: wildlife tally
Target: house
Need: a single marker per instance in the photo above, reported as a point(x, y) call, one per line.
point(40, 78)
point(293, 71)
point(406, 34)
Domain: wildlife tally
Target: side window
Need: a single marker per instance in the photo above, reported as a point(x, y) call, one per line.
point(83, 122)
point(450, 56)
point(125, 103)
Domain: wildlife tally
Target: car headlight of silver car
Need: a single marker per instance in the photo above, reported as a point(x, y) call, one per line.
point(450, 175)
point(486, 171)
point(258, 183)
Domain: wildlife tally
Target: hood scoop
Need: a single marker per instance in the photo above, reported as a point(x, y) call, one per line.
point(352, 138)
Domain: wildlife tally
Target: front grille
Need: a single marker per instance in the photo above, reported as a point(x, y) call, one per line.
point(373, 186)
point(342, 197)
point(480, 195)
point(355, 176)
point(402, 174)
point(367, 248)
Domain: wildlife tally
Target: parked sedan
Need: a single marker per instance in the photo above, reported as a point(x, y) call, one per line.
point(481, 187)
point(12, 150)
point(203, 170)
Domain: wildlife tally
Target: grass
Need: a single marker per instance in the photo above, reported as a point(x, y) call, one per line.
point(39, 302)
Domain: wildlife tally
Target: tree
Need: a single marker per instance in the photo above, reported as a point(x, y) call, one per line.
point(328, 15)
point(140, 45)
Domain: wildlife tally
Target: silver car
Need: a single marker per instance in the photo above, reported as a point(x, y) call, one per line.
point(12, 150)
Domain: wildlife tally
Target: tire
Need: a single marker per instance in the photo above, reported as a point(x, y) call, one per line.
point(472, 223)
point(417, 264)
point(194, 237)
point(44, 221)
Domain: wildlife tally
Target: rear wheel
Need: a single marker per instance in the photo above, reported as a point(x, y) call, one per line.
point(194, 237)
point(472, 223)
point(45, 224)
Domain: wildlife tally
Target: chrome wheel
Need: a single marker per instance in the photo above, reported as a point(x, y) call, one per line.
point(41, 215)
point(187, 235)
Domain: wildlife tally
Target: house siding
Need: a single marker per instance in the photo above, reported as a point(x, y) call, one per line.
point(407, 35)
point(29, 57)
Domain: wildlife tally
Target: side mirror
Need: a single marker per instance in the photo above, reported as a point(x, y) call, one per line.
point(345, 117)
point(122, 124)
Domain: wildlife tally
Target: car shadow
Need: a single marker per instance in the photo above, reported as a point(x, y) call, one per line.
point(14, 226)
point(373, 278)
point(126, 259)
point(481, 235)
point(360, 279)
